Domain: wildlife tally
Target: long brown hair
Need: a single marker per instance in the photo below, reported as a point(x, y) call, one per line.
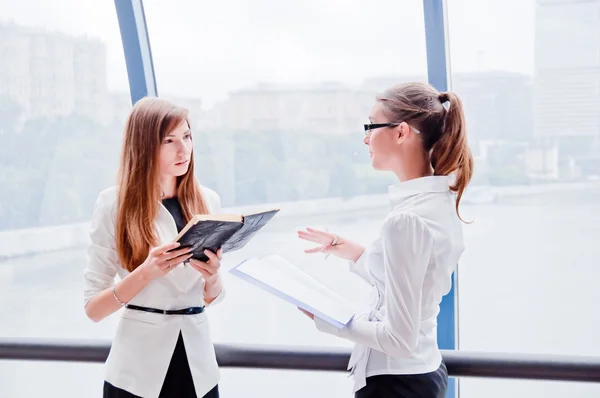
point(443, 131)
point(139, 192)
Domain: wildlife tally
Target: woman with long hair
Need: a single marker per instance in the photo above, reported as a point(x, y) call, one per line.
point(162, 346)
point(418, 134)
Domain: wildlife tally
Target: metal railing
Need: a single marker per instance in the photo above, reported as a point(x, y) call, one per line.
point(459, 363)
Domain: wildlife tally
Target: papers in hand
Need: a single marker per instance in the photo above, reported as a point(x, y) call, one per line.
point(276, 275)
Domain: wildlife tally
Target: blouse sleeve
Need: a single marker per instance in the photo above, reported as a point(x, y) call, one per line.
point(407, 247)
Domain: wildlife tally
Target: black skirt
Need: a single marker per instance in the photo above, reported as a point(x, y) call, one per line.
point(427, 385)
point(178, 381)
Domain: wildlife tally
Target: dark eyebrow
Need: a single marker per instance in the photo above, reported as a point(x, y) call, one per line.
point(185, 132)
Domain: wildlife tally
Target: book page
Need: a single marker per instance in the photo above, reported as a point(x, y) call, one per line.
point(252, 224)
point(302, 290)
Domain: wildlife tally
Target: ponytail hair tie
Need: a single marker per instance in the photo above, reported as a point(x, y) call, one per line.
point(443, 97)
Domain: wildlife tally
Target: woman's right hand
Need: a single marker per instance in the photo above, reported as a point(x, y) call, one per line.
point(331, 243)
point(161, 261)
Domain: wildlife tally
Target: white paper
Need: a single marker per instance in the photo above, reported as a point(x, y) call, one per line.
point(281, 278)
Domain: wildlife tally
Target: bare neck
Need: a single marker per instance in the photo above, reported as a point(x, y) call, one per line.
point(413, 169)
point(168, 186)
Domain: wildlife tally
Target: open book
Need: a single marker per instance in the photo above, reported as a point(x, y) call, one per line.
point(228, 232)
point(276, 275)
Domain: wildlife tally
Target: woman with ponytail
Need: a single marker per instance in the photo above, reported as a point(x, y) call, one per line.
point(418, 134)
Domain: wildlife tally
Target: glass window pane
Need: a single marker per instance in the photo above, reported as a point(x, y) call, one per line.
point(64, 96)
point(25, 379)
point(528, 277)
point(470, 388)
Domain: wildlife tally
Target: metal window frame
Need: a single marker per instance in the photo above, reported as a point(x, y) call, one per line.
point(438, 74)
point(136, 47)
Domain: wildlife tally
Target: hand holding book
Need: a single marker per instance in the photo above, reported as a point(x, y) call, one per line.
point(308, 314)
point(227, 232)
point(209, 269)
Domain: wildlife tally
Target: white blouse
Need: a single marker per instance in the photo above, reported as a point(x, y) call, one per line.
point(410, 267)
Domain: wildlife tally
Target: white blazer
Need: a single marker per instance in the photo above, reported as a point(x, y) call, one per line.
point(144, 342)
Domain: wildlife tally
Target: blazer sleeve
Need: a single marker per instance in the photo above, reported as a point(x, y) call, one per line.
point(102, 260)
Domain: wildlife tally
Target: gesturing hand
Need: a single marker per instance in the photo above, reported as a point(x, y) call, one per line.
point(331, 243)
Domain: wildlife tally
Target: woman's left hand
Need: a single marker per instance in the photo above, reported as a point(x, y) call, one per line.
point(210, 272)
point(308, 314)
point(210, 268)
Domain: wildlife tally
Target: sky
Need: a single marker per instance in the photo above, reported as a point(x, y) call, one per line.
point(208, 49)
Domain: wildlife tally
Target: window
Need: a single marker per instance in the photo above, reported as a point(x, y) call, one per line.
point(528, 277)
point(59, 149)
point(285, 89)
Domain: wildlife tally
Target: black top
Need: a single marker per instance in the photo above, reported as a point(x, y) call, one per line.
point(174, 207)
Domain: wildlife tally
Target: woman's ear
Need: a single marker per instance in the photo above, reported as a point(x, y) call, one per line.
point(401, 131)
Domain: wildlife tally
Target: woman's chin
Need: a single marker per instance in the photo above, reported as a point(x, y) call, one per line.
point(375, 164)
point(179, 173)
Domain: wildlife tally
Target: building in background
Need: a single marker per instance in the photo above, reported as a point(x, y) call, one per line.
point(49, 74)
point(567, 84)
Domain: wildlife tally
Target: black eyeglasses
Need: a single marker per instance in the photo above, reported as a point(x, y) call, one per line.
point(373, 126)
